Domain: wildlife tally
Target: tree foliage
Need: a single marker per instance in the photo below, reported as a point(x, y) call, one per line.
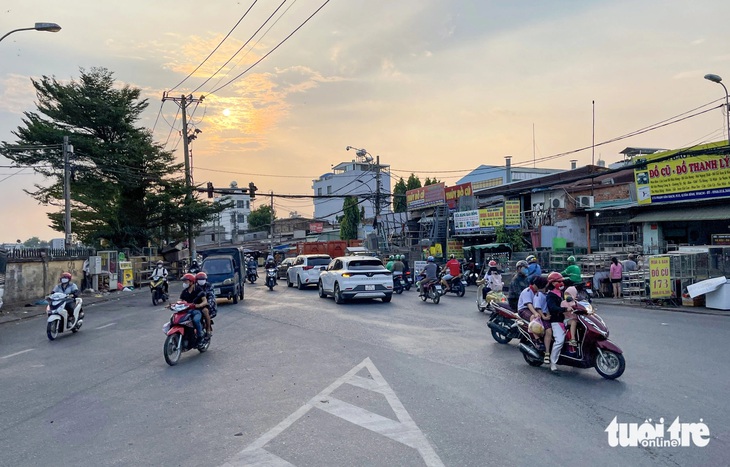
point(430, 181)
point(413, 182)
point(513, 237)
point(125, 188)
point(350, 219)
point(260, 218)
point(399, 196)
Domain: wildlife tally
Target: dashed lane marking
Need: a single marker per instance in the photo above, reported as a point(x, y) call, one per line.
point(106, 326)
point(18, 353)
point(403, 431)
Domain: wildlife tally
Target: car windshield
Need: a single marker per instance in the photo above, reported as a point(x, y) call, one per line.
point(217, 266)
point(319, 261)
point(366, 264)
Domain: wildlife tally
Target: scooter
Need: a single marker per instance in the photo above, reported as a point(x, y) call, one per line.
point(484, 304)
point(457, 285)
point(504, 322)
point(181, 333)
point(58, 320)
point(432, 291)
point(594, 349)
point(407, 280)
point(157, 287)
point(271, 278)
point(251, 275)
point(398, 285)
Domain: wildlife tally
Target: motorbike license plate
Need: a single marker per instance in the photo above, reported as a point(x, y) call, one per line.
point(217, 291)
point(369, 287)
point(438, 287)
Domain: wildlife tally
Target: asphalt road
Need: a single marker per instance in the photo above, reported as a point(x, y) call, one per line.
point(292, 379)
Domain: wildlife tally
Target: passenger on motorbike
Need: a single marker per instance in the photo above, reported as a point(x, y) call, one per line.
point(201, 279)
point(493, 279)
point(518, 283)
point(398, 266)
point(66, 286)
point(532, 306)
point(160, 271)
point(251, 266)
point(452, 270)
point(428, 275)
point(533, 269)
point(389, 264)
point(572, 272)
point(193, 294)
point(557, 315)
point(571, 296)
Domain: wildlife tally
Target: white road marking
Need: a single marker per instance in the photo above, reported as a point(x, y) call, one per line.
point(18, 353)
point(106, 326)
point(403, 431)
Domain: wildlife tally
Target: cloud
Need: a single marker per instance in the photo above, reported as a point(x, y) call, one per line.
point(17, 93)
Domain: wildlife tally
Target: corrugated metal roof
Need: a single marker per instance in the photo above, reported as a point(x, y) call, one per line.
point(693, 213)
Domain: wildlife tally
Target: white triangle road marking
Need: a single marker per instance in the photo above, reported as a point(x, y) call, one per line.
point(403, 431)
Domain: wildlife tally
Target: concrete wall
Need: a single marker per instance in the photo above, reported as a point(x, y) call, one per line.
point(573, 230)
point(31, 280)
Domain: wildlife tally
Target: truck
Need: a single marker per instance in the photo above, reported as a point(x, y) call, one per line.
point(334, 248)
point(226, 271)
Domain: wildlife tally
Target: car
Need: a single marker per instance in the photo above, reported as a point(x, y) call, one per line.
point(305, 270)
point(348, 277)
point(283, 267)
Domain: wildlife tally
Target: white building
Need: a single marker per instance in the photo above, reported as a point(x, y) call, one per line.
point(356, 178)
point(231, 223)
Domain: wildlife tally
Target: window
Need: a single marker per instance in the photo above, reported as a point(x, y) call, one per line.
point(239, 204)
point(329, 189)
point(319, 191)
point(241, 218)
point(248, 205)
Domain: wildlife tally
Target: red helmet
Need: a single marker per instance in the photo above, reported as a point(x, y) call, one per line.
point(554, 277)
point(492, 264)
point(66, 275)
point(188, 277)
point(201, 275)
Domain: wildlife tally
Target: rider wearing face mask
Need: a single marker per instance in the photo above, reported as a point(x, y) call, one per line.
point(193, 294)
point(66, 286)
point(557, 315)
point(518, 284)
point(211, 310)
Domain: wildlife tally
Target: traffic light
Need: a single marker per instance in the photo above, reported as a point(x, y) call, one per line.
point(210, 189)
point(252, 190)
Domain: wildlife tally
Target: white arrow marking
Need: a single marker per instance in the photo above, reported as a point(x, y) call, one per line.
point(403, 431)
point(18, 353)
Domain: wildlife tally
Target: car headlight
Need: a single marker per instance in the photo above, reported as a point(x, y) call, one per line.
point(228, 281)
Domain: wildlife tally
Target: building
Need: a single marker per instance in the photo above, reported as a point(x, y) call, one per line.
point(230, 223)
point(486, 176)
point(297, 228)
point(357, 178)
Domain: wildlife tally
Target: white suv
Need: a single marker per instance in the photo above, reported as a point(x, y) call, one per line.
point(356, 277)
point(305, 270)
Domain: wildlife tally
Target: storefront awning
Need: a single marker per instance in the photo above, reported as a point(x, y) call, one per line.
point(490, 246)
point(707, 213)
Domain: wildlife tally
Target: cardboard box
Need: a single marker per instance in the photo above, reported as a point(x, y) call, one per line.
point(697, 301)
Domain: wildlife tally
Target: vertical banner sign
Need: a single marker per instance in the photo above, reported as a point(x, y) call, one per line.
point(660, 284)
point(512, 214)
point(456, 248)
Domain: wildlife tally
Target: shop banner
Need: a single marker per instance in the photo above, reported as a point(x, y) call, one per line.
point(453, 193)
point(466, 221)
point(431, 195)
point(512, 216)
point(683, 177)
point(660, 284)
point(315, 227)
point(456, 248)
point(491, 217)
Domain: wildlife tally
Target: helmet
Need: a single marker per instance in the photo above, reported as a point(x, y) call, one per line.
point(571, 259)
point(66, 275)
point(391, 257)
point(269, 258)
point(430, 259)
point(521, 264)
point(554, 277)
point(451, 256)
point(188, 277)
point(159, 262)
point(531, 259)
point(201, 275)
point(492, 264)
point(571, 292)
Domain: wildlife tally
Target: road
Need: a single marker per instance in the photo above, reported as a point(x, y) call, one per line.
point(292, 379)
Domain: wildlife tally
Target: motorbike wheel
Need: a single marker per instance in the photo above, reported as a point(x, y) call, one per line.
point(461, 292)
point(270, 285)
point(499, 337)
point(156, 297)
point(172, 349)
point(424, 297)
point(52, 330)
point(435, 296)
point(408, 286)
point(612, 367)
point(531, 361)
point(76, 328)
point(398, 290)
point(205, 346)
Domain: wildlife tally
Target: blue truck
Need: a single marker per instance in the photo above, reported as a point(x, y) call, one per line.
point(226, 271)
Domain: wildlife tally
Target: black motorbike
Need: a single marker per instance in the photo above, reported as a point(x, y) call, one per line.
point(456, 285)
point(251, 275)
point(399, 284)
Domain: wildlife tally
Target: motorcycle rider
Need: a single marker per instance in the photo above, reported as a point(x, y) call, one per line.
point(452, 270)
point(572, 272)
point(251, 266)
point(270, 263)
point(398, 267)
point(533, 269)
point(160, 271)
point(556, 312)
point(493, 279)
point(69, 288)
point(193, 294)
point(428, 275)
point(518, 283)
point(201, 279)
point(194, 267)
point(532, 306)
point(389, 264)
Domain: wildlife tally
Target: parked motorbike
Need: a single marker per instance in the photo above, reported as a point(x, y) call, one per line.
point(58, 320)
point(484, 304)
point(457, 285)
point(431, 291)
point(251, 275)
point(398, 283)
point(157, 287)
point(504, 322)
point(271, 278)
point(594, 349)
point(181, 334)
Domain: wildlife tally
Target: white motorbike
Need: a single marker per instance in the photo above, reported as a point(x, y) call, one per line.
point(58, 316)
point(271, 278)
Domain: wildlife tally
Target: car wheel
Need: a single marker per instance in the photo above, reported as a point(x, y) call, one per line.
point(387, 298)
point(288, 282)
point(320, 289)
point(300, 286)
point(339, 299)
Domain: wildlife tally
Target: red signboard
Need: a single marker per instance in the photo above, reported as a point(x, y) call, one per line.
point(431, 195)
point(315, 227)
point(453, 193)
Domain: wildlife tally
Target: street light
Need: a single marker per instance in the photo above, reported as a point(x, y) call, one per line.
point(718, 80)
point(49, 27)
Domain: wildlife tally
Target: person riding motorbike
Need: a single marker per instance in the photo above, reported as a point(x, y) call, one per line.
point(398, 266)
point(270, 263)
point(428, 275)
point(201, 279)
point(533, 269)
point(251, 266)
point(66, 286)
point(531, 307)
point(160, 271)
point(556, 283)
point(194, 267)
point(452, 268)
point(389, 264)
point(572, 272)
point(192, 293)
point(518, 283)
point(493, 279)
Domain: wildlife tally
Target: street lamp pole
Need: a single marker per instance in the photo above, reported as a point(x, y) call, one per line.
point(718, 80)
point(49, 27)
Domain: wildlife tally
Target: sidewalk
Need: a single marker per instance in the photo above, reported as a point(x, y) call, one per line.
point(19, 311)
point(644, 305)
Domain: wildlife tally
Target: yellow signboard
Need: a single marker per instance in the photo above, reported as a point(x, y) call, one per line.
point(512, 213)
point(491, 217)
point(456, 248)
point(660, 283)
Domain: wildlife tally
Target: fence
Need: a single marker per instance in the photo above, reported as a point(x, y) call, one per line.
point(31, 253)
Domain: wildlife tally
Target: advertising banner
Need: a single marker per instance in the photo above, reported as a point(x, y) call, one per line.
point(453, 193)
point(456, 248)
point(315, 227)
point(660, 284)
point(491, 217)
point(683, 177)
point(466, 221)
point(512, 214)
point(431, 195)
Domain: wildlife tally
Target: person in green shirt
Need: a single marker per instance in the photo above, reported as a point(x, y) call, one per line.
point(389, 265)
point(572, 272)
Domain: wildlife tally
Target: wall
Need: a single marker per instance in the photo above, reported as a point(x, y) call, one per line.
point(652, 237)
point(573, 231)
point(30, 280)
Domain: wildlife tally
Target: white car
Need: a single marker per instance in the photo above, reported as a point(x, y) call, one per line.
point(356, 277)
point(305, 270)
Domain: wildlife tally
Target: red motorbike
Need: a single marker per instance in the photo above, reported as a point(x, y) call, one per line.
point(503, 322)
point(181, 333)
point(594, 349)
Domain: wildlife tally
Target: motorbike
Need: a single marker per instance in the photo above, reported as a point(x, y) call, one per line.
point(181, 334)
point(398, 283)
point(594, 349)
point(457, 285)
point(407, 280)
point(251, 275)
point(58, 320)
point(471, 276)
point(492, 296)
point(431, 291)
point(585, 289)
point(271, 278)
point(504, 322)
point(157, 287)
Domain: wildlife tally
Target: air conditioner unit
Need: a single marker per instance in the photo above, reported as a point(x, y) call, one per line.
point(584, 201)
point(556, 203)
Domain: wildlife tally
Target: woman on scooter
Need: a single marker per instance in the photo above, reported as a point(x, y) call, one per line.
point(557, 315)
point(493, 279)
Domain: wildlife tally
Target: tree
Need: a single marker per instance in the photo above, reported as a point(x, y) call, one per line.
point(430, 181)
point(125, 188)
point(260, 218)
point(350, 219)
point(413, 182)
point(32, 242)
point(511, 236)
point(399, 196)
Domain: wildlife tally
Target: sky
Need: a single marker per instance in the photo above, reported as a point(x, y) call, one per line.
point(435, 87)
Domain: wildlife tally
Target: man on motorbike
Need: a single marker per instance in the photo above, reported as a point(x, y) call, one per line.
point(66, 286)
point(251, 266)
point(532, 306)
point(194, 267)
point(201, 279)
point(452, 268)
point(398, 266)
point(572, 272)
point(556, 283)
point(160, 271)
point(270, 263)
point(518, 283)
point(193, 294)
point(389, 264)
point(533, 268)
point(428, 275)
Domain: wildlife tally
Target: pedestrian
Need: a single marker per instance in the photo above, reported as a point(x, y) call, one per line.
point(615, 273)
point(85, 282)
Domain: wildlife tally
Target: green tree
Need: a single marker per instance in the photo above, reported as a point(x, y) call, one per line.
point(125, 188)
point(350, 219)
point(399, 196)
point(513, 237)
point(413, 182)
point(32, 242)
point(260, 218)
point(430, 181)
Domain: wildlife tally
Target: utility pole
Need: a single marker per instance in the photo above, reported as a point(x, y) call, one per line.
point(67, 193)
point(183, 101)
point(271, 240)
point(377, 190)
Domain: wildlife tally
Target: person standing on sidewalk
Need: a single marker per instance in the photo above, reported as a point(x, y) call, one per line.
point(616, 274)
